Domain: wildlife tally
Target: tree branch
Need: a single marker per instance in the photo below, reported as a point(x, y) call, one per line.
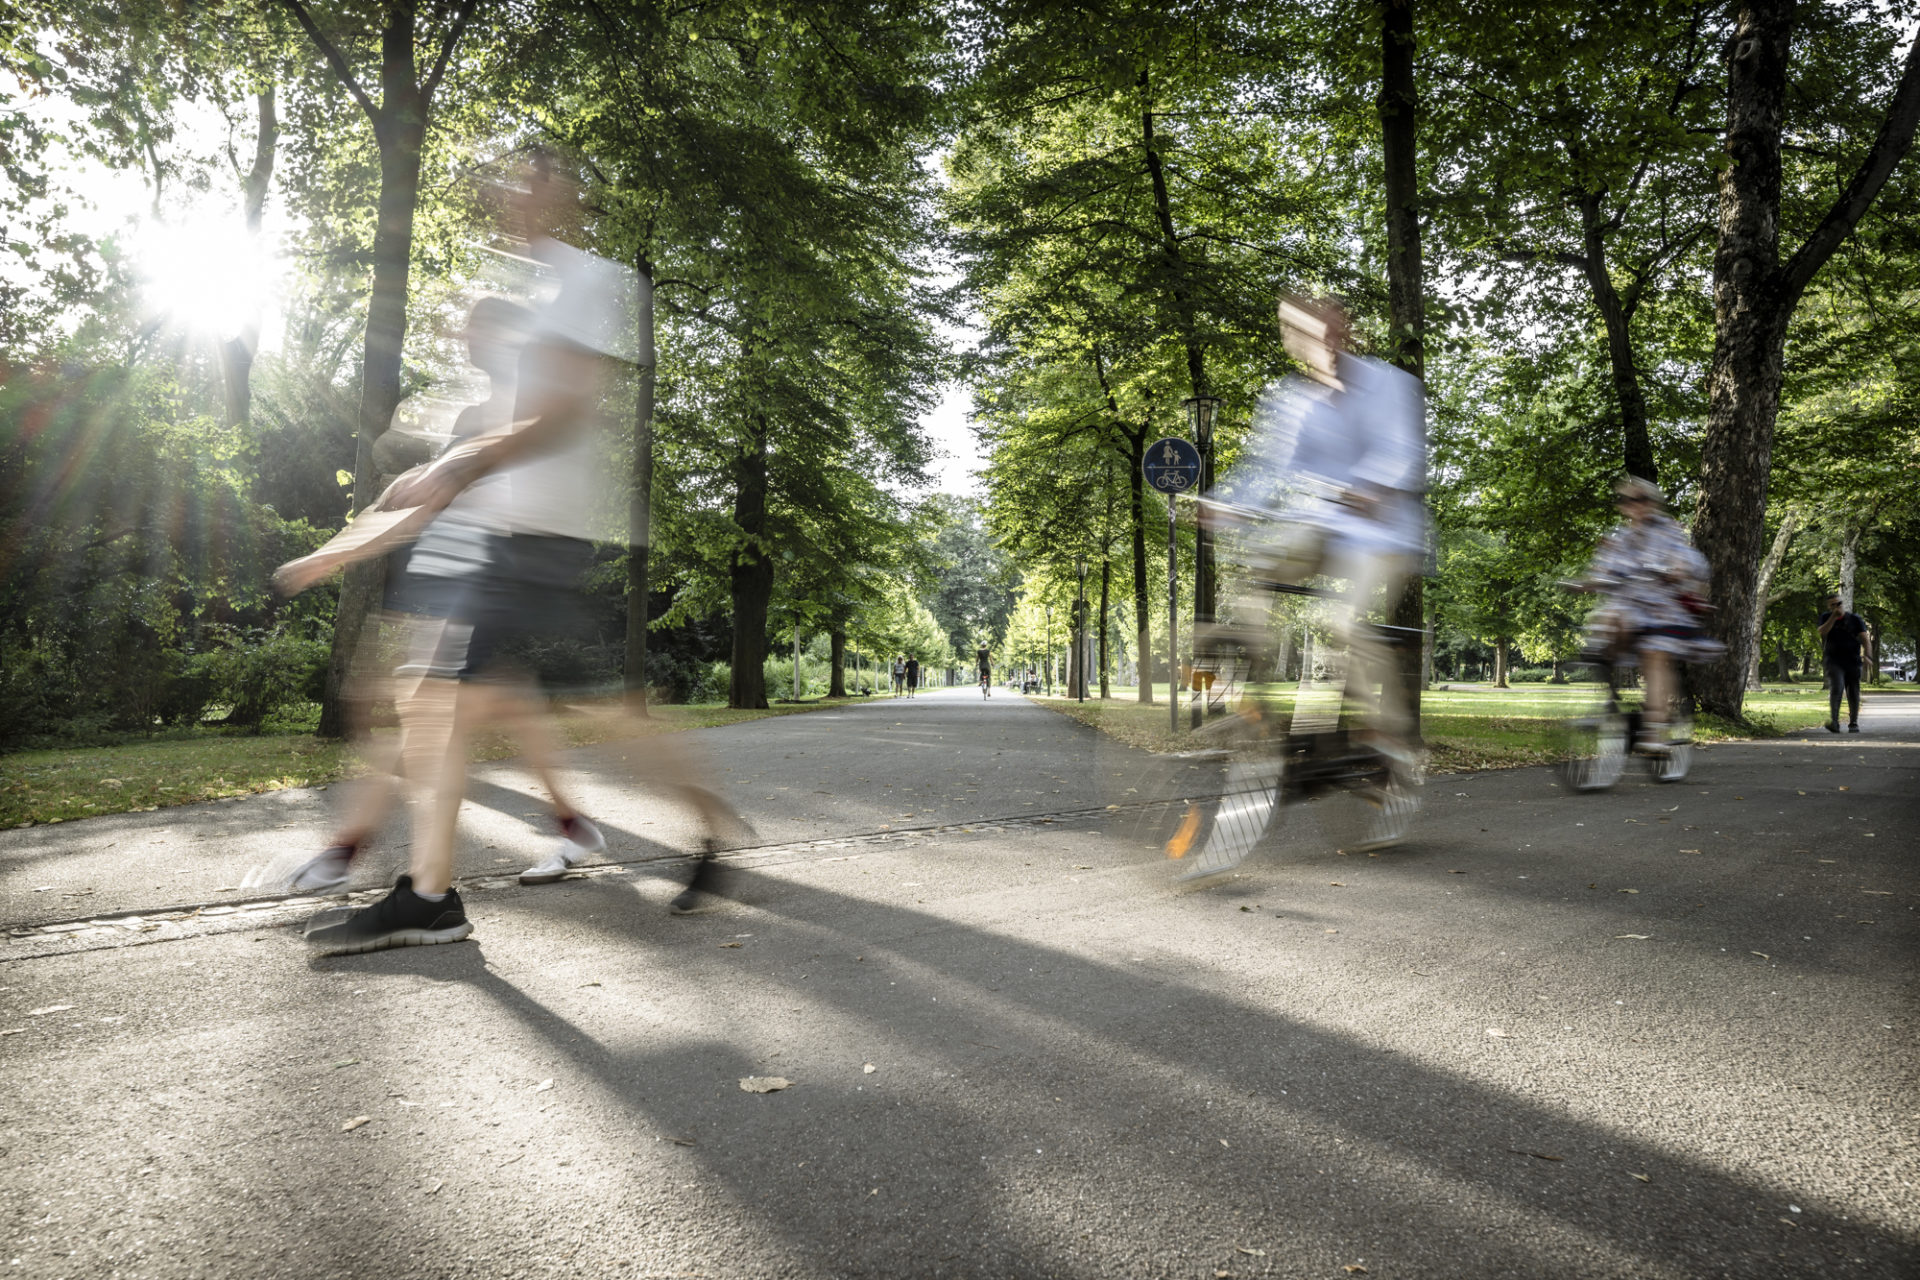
point(334, 58)
point(458, 29)
point(1896, 136)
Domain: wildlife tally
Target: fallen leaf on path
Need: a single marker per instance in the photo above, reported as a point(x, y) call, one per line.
point(1689, 851)
point(1225, 1143)
point(345, 1062)
point(1496, 1033)
point(1643, 1177)
point(1846, 788)
point(1638, 936)
point(13, 1031)
point(52, 1008)
point(1537, 1155)
point(726, 945)
point(680, 1142)
point(869, 1069)
point(437, 1184)
point(1878, 893)
point(1763, 955)
point(1355, 1269)
point(764, 1084)
point(1626, 891)
point(589, 984)
point(354, 1123)
point(544, 1085)
point(1336, 884)
point(1251, 1253)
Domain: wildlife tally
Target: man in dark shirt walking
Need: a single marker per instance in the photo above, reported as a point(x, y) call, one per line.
point(1846, 639)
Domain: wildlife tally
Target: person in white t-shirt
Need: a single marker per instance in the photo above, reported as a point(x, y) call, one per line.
point(1333, 482)
point(507, 545)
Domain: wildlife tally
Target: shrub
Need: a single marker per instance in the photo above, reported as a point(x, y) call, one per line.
point(1530, 675)
point(256, 672)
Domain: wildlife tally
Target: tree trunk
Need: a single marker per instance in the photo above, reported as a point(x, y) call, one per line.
point(399, 129)
point(640, 499)
point(1500, 664)
point(1754, 296)
point(1142, 600)
point(837, 642)
point(751, 577)
point(1106, 584)
point(1789, 525)
point(1399, 106)
point(1636, 448)
point(1849, 565)
point(236, 353)
point(1183, 311)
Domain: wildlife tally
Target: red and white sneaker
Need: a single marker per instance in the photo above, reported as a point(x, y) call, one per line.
point(579, 839)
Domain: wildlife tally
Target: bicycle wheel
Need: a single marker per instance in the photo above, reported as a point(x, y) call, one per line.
point(1388, 809)
point(1245, 812)
point(1593, 750)
point(1673, 766)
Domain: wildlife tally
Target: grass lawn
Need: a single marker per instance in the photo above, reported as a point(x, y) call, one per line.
point(206, 764)
point(1468, 728)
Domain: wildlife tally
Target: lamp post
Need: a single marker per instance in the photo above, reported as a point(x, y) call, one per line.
point(1201, 411)
point(1080, 633)
point(1048, 673)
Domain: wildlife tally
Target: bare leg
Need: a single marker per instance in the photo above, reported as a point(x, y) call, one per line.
point(517, 707)
point(1659, 671)
point(436, 720)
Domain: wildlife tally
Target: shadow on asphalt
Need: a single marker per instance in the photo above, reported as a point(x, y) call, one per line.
point(1135, 1072)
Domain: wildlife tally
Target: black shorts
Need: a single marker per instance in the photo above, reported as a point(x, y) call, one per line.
point(502, 588)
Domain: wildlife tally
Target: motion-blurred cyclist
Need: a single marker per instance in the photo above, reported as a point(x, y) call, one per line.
point(1332, 483)
point(1653, 585)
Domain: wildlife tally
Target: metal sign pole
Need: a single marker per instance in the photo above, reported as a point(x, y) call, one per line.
point(1171, 466)
point(1173, 624)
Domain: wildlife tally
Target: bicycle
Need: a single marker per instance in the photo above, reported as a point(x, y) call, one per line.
point(1276, 760)
point(1594, 747)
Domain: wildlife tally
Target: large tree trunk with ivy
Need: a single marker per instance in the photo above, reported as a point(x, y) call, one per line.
point(837, 646)
point(751, 576)
point(1754, 296)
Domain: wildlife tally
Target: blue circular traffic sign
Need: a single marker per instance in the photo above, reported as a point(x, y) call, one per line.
point(1172, 465)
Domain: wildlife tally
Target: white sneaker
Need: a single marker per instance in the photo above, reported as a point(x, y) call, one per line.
point(326, 871)
point(578, 839)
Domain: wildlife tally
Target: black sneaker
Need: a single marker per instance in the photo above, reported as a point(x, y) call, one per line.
point(1833, 726)
point(705, 877)
point(1853, 727)
point(401, 919)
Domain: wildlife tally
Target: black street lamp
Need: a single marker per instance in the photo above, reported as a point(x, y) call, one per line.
point(1048, 645)
point(1201, 412)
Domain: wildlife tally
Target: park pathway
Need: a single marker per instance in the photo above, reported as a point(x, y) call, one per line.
point(945, 757)
point(1659, 1032)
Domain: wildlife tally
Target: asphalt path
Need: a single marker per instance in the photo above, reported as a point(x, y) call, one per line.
point(1657, 1032)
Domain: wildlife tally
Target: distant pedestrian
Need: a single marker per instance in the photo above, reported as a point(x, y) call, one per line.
point(899, 675)
point(1847, 641)
point(983, 667)
point(913, 675)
